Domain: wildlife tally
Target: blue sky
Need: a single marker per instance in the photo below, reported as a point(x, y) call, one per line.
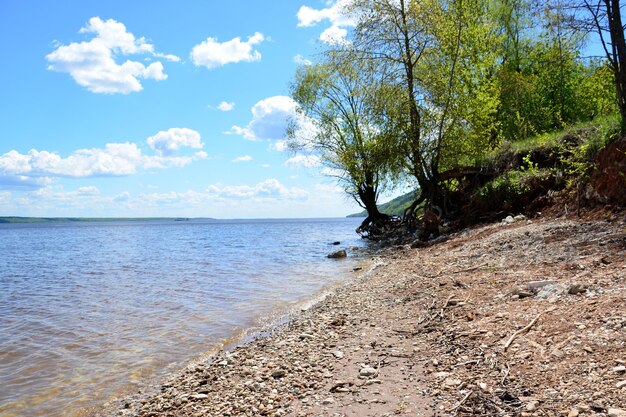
point(155, 108)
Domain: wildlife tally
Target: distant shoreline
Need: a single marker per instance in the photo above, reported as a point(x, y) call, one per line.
point(18, 219)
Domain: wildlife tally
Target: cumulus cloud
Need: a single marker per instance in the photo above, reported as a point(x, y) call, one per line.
point(306, 161)
point(212, 54)
point(169, 142)
point(35, 168)
point(226, 106)
point(93, 64)
point(269, 189)
point(300, 60)
point(336, 13)
point(270, 119)
point(244, 158)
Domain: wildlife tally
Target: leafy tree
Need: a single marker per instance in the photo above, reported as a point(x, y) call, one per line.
point(348, 102)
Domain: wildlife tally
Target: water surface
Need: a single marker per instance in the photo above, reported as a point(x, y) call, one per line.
point(90, 311)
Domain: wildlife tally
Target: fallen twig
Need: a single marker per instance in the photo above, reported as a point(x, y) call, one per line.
point(524, 330)
point(460, 403)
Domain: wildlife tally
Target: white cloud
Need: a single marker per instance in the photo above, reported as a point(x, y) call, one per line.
point(269, 189)
point(92, 64)
point(122, 197)
point(226, 106)
point(38, 168)
point(169, 142)
point(212, 54)
point(245, 158)
point(300, 60)
point(90, 190)
point(306, 161)
point(338, 16)
point(270, 118)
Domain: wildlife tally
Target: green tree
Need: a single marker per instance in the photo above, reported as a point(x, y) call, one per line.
point(348, 102)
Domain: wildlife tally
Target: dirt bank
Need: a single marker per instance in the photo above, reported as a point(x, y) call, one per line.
point(527, 318)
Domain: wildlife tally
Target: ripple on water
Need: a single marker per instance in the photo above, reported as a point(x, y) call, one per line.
point(89, 311)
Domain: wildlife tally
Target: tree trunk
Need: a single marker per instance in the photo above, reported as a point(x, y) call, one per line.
point(618, 45)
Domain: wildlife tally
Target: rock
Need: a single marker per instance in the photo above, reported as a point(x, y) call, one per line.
point(576, 289)
point(532, 406)
point(338, 254)
point(519, 218)
point(508, 220)
point(368, 372)
point(199, 396)
point(279, 373)
point(338, 354)
point(535, 286)
point(327, 401)
point(303, 336)
point(573, 413)
point(451, 382)
point(442, 374)
point(619, 369)
point(616, 412)
point(336, 243)
point(551, 290)
point(621, 384)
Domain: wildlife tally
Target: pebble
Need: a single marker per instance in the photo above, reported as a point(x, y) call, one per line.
point(620, 369)
point(621, 384)
point(532, 406)
point(368, 372)
point(338, 354)
point(616, 412)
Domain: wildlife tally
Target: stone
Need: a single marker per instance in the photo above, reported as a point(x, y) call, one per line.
point(338, 254)
point(336, 243)
point(577, 289)
point(573, 413)
point(550, 291)
point(451, 382)
point(537, 285)
point(327, 401)
point(532, 405)
point(368, 372)
point(508, 220)
point(441, 374)
point(199, 396)
point(519, 218)
point(619, 369)
point(279, 373)
point(621, 384)
point(338, 354)
point(616, 412)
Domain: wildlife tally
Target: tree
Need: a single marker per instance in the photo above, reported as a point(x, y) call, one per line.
point(606, 17)
point(348, 104)
point(439, 54)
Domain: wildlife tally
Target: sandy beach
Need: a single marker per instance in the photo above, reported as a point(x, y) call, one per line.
point(526, 318)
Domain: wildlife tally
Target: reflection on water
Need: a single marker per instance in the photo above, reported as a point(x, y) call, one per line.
point(93, 310)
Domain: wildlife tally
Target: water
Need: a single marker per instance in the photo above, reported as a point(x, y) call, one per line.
point(93, 311)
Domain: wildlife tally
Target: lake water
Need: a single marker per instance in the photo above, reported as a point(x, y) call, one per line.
point(94, 311)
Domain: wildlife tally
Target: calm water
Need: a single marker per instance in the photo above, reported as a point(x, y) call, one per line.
point(90, 311)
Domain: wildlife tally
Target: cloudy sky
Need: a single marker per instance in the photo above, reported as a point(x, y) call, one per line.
point(159, 108)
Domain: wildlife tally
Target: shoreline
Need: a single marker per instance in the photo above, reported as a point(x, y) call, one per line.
point(451, 329)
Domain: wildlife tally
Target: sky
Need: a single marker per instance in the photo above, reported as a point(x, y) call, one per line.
point(158, 108)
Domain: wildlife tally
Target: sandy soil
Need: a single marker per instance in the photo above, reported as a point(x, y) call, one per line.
point(527, 318)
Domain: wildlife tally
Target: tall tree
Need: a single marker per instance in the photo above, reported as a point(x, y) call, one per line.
point(348, 102)
point(606, 18)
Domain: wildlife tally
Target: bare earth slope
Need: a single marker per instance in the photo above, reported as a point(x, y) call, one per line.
point(519, 319)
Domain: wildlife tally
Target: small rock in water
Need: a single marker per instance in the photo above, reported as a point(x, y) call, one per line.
point(336, 243)
point(338, 254)
point(368, 372)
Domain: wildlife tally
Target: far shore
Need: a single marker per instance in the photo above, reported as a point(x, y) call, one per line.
point(504, 319)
